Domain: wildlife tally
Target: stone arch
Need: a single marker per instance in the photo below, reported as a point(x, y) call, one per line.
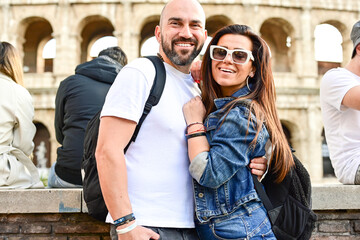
point(33, 31)
point(216, 22)
point(43, 65)
point(343, 29)
point(147, 29)
point(42, 148)
point(323, 67)
point(279, 35)
point(291, 131)
point(91, 29)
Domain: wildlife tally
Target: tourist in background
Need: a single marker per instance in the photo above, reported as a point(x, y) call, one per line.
point(78, 99)
point(17, 129)
point(340, 107)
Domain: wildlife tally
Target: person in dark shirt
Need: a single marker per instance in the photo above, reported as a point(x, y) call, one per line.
point(78, 99)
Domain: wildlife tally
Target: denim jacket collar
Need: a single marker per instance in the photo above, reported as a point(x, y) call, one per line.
point(221, 102)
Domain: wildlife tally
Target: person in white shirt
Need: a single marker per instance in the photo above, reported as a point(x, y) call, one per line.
point(340, 106)
point(152, 182)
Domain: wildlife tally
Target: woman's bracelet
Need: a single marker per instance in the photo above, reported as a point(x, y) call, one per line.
point(192, 124)
point(127, 229)
point(198, 134)
point(124, 220)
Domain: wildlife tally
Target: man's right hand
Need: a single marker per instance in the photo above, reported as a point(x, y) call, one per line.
point(139, 233)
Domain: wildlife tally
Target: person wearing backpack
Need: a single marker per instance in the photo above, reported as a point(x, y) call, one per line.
point(238, 105)
point(148, 191)
point(340, 108)
point(78, 98)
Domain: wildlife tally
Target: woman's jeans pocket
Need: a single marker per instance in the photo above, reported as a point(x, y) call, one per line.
point(245, 223)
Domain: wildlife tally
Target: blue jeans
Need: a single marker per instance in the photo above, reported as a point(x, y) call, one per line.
point(55, 182)
point(166, 233)
point(247, 222)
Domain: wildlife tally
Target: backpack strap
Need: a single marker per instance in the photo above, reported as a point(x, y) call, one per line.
point(262, 194)
point(155, 93)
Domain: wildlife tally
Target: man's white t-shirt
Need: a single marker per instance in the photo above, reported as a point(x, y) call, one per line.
point(159, 183)
point(342, 124)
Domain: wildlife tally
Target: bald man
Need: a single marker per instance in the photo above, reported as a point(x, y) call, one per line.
point(148, 191)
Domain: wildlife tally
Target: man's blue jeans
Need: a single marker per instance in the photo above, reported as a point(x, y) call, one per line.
point(55, 182)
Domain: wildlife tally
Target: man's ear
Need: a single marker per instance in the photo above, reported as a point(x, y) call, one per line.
point(158, 33)
point(357, 49)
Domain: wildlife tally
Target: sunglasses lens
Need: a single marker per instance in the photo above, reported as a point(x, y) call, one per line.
point(219, 53)
point(239, 56)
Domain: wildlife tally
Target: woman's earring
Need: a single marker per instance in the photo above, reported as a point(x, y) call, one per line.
point(247, 83)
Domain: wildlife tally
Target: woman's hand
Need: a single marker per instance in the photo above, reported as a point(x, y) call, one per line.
point(258, 166)
point(196, 71)
point(194, 110)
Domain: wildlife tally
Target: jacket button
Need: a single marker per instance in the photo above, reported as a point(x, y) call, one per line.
point(201, 195)
point(204, 218)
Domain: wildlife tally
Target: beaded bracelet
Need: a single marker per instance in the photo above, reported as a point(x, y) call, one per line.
point(123, 220)
point(198, 134)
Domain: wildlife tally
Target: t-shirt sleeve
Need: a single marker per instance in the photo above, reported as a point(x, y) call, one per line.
point(127, 95)
point(334, 85)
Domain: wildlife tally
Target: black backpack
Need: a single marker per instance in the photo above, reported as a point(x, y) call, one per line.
point(91, 186)
point(288, 203)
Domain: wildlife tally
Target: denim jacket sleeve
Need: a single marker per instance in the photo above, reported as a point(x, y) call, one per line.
point(230, 148)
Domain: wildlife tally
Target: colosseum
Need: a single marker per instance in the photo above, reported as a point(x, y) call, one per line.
point(288, 26)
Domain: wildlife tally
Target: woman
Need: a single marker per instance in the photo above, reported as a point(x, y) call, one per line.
point(16, 127)
point(238, 102)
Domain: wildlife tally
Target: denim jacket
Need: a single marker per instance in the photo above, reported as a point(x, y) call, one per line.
point(223, 181)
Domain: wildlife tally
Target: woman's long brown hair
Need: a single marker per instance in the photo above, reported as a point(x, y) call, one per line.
point(262, 94)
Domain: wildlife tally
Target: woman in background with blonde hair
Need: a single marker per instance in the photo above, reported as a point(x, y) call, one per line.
point(16, 124)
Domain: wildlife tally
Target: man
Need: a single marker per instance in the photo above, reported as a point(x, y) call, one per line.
point(78, 99)
point(152, 183)
point(340, 105)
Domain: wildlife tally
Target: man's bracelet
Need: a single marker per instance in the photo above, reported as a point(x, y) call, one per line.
point(127, 229)
point(124, 220)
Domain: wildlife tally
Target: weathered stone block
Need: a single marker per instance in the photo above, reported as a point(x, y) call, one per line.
point(81, 228)
point(32, 228)
point(9, 228)
point(342, 226)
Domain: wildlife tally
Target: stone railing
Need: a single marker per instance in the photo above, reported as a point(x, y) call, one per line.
point(61, 214)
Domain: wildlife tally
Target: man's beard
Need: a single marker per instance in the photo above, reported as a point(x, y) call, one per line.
point(184, 58)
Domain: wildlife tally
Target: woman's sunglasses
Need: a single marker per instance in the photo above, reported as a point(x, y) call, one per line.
point(238, 56)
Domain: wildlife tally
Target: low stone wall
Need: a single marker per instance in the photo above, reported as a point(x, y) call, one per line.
point(61, 214)
point(52, 226)
point(48, 214)
point(338, 209)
